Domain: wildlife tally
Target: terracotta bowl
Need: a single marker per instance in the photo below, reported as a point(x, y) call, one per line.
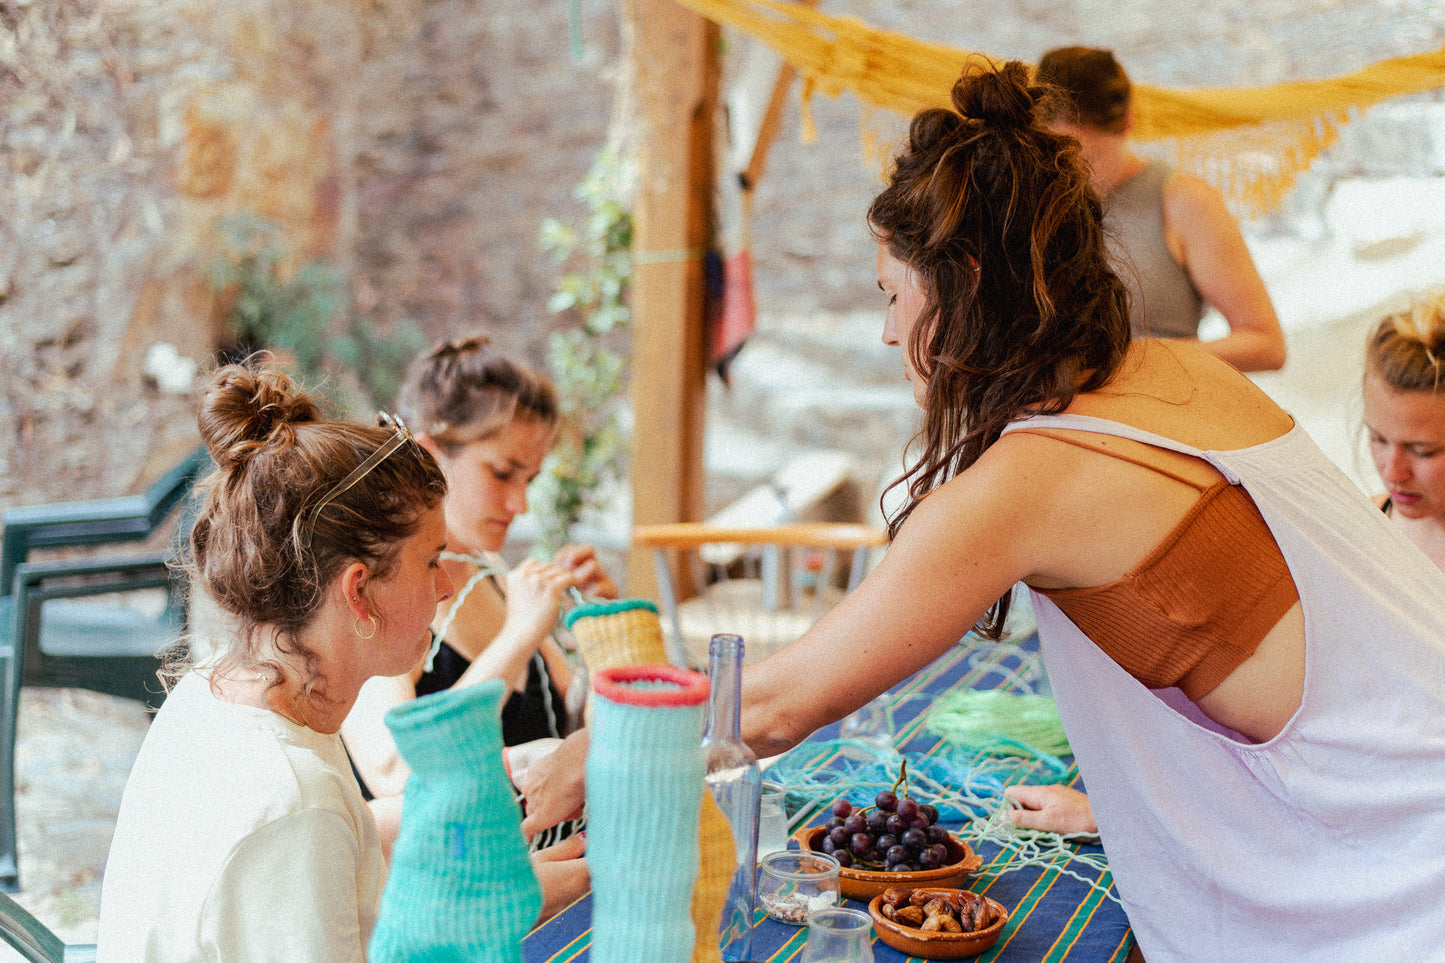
point(864, 884)
point(937, 946)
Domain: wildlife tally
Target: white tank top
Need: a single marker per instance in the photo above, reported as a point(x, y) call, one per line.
point(1326, 843)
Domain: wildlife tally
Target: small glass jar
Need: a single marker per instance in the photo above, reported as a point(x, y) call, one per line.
point(794, 883)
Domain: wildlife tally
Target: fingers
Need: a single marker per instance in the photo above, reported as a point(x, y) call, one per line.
point(570, 848)
point(540, 820)
point(581, 561)
point(1054, 809)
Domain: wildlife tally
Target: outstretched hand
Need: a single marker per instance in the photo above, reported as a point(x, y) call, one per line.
point(1053, 809)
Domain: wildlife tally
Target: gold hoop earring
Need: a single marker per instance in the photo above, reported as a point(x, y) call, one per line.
point(356, 627)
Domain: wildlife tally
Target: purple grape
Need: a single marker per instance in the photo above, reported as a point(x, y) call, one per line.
point(915, 839)
point(862, 844)
point(842, 807)
point(834, 822)
point(919, 821)
point(940, 851)
point(897, 825)
point(855, 823)
point(928, 859)
point(903, 868)
point(827, 845)
point(887, 841)
point(885, 801)
point(895, 855)
point(839, 835)
point(906, 807)
point(877, 822)
point(844, 858)
point(930, 811)
point(936, 834)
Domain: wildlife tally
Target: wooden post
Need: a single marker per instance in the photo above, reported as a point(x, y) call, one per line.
point(675, 64)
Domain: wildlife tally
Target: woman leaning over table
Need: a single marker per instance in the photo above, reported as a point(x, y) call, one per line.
point(1248, 658)
point(1405, 420)
point(489, 421)
point(242, 834)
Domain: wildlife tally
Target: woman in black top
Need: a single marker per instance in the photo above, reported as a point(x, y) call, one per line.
point(489, 422)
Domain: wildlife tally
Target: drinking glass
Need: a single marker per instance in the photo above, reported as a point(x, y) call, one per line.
point(871, 724)
point(839, 935)
point(772, 820)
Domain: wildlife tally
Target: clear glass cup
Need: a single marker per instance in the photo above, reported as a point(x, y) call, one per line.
point(793, 883)
point(772, 820)
point(839, 935)
point(872, 724)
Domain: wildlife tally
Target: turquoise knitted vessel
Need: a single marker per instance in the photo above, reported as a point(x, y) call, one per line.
point(461, 886)
point(644, 793)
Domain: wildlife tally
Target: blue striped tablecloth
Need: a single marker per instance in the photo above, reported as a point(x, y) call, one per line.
point(1054, 918)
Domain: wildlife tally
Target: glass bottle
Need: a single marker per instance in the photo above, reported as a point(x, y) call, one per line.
point(736, 783)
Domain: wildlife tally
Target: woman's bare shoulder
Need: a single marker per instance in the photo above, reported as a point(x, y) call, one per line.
point(1180, 391)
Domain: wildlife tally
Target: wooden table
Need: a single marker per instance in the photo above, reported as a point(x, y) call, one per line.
point(1055, 918)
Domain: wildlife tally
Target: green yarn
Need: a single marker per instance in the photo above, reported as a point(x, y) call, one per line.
point(985, 719)
point(607, 608)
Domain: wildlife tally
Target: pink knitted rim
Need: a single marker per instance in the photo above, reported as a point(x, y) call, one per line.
point(619, 684)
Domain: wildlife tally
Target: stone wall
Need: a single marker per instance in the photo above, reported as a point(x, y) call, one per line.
point(420, 143)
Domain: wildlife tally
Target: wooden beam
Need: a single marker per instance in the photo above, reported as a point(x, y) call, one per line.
point(676, 67)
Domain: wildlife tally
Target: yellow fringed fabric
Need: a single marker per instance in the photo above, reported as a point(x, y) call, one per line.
point(1249, 142)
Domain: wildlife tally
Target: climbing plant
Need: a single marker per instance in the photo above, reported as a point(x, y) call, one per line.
point(302, 313)
point(587, 361)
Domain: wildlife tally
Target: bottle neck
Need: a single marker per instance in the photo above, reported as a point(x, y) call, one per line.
point(725, 674)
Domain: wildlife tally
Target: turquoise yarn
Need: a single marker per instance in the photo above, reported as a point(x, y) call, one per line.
point(461, 886)
point(644, 795)
point(592, 609)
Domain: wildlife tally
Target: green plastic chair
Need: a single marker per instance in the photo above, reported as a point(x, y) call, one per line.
point(54, 632)
point(34, 941)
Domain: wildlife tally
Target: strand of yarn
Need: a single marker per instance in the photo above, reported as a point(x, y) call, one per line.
point(484, 569)
point(1025, 848)
point(984, 719)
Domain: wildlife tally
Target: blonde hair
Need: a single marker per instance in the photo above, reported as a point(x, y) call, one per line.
point(1407, 349)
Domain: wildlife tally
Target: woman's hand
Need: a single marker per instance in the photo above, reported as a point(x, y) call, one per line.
point(554, 785)
point(1053, 809)
point(581, 561)
point(562, 872)
point(534, 599)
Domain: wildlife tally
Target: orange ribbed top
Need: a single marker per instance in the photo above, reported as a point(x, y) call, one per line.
point(1196, 606)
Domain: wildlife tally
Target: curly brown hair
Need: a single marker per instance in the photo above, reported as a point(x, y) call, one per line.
point(994, 214)
point(259, 548)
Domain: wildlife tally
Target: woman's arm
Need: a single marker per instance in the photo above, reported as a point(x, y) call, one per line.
point(964, 546)
point(534, 600)
point(1206, 240)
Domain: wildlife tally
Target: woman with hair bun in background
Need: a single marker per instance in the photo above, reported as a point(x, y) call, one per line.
point(490, 422)
point(1404, 395)
point(242, 834)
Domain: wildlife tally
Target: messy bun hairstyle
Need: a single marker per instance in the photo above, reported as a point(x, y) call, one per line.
point(253, 548)
point(466, 390)
point(994, 215)
point(1406, 351)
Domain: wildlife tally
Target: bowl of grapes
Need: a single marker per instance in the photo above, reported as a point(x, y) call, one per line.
point(894, 842)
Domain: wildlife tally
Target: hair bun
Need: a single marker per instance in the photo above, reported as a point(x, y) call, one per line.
point(1000, 96)
point(245, 410)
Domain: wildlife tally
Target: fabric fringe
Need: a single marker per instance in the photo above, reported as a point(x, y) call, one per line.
point(1251, 143)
